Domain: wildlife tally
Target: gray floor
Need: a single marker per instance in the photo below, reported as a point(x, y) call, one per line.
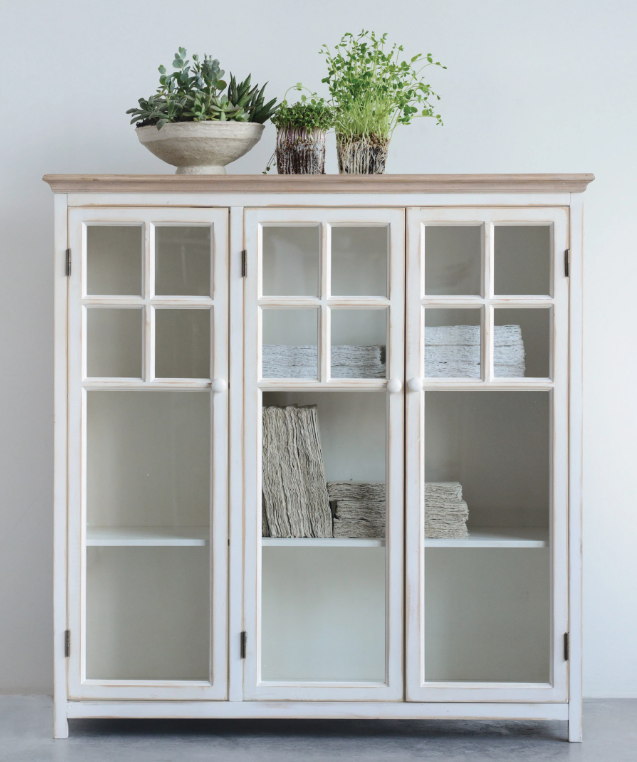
point(610, 732)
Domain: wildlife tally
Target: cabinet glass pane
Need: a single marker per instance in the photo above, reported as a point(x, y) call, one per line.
point(487, 473)
point(158, 445)
point(114, 342)
point(182, 343)
point(323, 556)
point(290, 343)
point(522, 342)
point(147, 613)
point(114, 259)
point(359, 340)
point(452, 343)
point(359, 261)
point(291, 260)
point(148, 509)
point(182, 261)
point(453, 260)
point(522, 260)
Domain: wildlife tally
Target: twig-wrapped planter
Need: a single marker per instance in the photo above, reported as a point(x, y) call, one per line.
point(300, 151)
point(362, 156)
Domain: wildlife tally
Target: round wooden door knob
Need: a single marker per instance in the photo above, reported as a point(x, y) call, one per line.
point(218, 385)
point(394, 386)
point(415, 384)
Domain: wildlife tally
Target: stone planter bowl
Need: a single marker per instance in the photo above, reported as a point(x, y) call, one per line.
point(200, 148)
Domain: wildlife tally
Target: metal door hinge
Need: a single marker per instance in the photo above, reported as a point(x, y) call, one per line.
point(67, 643)
point(244, 644)
point(567, 263)
point(567, 647)
point(68, 262)
point(244, 264)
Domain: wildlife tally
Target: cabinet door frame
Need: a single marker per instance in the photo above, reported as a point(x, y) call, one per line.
point(79, 687)
point(417, 688)
point(254, 219)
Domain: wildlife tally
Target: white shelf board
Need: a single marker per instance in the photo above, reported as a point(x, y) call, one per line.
point(479, 537)
point(496, 537)
point(320, 542)
point(147, 536)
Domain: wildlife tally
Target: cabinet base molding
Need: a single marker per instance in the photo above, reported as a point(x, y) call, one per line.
point(327, 710)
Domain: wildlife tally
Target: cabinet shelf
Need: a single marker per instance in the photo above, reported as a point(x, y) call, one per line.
point(479, 537)
point(147, 536)
point(321, 542)
point(496, 537)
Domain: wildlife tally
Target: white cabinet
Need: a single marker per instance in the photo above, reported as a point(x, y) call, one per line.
point(318, 447)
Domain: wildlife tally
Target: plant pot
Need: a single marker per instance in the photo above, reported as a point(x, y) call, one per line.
point(362, 156)
point(200, 148)
point(299, 152)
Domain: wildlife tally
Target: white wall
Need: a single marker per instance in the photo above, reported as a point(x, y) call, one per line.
point(532, 86)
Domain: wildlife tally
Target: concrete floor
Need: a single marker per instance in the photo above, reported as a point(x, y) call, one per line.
point(610, 733)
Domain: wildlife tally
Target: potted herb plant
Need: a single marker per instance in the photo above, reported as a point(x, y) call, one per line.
point(373, 91)
point(301, 129)
point(197, 122)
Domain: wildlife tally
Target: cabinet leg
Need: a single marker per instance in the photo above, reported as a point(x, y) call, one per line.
point(575, 723)
point(60, 725)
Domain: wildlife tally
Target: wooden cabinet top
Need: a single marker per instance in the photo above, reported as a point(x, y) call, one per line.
point(530, 183)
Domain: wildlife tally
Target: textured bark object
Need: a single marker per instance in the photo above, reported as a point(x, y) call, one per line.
point(295, 500)
point(362, 156)
point(299, 152)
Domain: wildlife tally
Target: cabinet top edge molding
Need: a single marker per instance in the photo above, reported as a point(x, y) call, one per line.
point(527, 183)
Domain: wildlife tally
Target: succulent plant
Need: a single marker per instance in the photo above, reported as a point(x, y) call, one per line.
point(195, 93)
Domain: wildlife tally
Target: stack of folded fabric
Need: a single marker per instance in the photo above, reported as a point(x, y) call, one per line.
point(359, 509)
point(446, 513)
point(348, 361)
point(454, 351)
point(295, 499)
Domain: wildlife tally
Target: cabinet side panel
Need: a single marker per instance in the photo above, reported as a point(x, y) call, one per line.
point(60, 286)
point(236, 623)
point(575, 467)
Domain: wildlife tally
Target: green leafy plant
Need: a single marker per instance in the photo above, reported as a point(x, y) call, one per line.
point(372, 90)
point(309, 114)
point(195, 93)
point(301, 129)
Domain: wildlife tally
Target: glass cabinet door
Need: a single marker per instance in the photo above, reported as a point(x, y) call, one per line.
point(148, 329)
point(486, 452)
point(324, 316)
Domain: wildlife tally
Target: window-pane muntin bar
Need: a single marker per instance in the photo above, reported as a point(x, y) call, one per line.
point(147, 302)
point(324, 302)
point(494, 304)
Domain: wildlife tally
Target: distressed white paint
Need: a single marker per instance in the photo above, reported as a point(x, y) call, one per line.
point(78, 385)
point(243, 331)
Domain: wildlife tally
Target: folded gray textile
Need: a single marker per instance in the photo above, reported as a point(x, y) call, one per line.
point(454, 351)
point(360, 509)
point(446, 513)
point(450, 351)
point(348, 361)
point(295, 499)
point(359, 518)
point(446, 520)
point(443, 490)
point(356, 491)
